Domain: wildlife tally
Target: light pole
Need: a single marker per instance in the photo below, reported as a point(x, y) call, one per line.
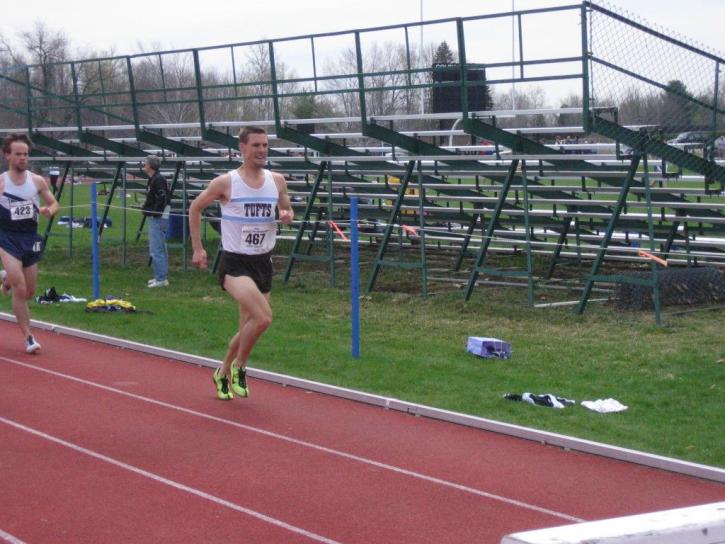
point(422, 93)
point(513, 55)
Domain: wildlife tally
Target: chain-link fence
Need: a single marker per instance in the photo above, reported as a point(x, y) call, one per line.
point(14, 93)
point(678, 287)
point(665, 87)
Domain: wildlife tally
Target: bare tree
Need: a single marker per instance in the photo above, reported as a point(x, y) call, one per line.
point(572, 100)
point(44, 50)
point(257, 90)
point(102, 84)
point(10, 55)
point(527, 98)
point(386, 76)
point(345, 82)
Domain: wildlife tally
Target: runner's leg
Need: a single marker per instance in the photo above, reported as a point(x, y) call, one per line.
point(255, 314)
point(17, 278)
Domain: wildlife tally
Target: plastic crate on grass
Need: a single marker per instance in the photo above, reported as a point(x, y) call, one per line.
point(488, 347)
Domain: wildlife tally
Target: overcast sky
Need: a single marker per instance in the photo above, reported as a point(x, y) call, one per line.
point(136, 26)
point(128, 26)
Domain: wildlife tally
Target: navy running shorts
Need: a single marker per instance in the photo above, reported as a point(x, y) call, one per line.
point(27, 247)
point(257, 267)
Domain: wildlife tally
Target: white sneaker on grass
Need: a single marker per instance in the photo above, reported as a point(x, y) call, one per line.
point(157, 283)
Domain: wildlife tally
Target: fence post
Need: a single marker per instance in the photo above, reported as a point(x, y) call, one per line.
point(354, 280)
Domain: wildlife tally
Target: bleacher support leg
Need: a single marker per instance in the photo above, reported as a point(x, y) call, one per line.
point(490, 228)
point(621, 200)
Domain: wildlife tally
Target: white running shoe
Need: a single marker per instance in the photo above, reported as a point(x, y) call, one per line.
point(157, 283)
point(31, 345)
point(5, 286)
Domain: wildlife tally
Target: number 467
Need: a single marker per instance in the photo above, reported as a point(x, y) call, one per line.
point(254, 238)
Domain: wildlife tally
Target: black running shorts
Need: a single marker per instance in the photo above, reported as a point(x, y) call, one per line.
point(257, 267)
point(27, 247)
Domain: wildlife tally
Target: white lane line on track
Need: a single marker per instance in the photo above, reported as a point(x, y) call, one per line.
point(166, 481)
point(7, 537)
point(311, 445)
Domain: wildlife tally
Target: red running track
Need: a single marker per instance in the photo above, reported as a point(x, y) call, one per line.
point(101, 444)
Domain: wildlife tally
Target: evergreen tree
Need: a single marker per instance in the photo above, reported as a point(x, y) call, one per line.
point(678, 107)
point(443, 54)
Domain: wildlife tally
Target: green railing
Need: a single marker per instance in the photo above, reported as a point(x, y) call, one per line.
point(491, 99)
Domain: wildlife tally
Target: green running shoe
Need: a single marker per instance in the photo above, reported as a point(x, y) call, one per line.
point(222, 386)
point(239, 381)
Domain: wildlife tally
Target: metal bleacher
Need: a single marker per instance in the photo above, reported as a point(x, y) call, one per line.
point(442, 190)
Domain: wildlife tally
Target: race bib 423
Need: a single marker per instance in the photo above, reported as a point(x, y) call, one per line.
point(21, 210)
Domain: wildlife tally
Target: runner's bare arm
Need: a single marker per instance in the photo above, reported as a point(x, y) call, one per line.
point(286, 213)
point(218, 189)
point(51, 204)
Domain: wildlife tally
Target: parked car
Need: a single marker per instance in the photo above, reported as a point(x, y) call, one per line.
point(693, 137)
point(720, 148)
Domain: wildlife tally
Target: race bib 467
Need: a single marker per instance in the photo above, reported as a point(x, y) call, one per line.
point(258, 239)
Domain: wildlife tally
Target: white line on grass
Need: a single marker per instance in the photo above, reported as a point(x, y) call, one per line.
point(170, 483)
point(310, 445)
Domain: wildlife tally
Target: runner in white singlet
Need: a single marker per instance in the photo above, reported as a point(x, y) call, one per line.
point(249, 197)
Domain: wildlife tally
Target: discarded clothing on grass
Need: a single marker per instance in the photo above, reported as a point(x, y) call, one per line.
point(51, 296)
point(604, 406)
point(88, 222)
point(545, 399)
point(82, 222)
point(65, 297)
point(66, 221)
point(110, 305)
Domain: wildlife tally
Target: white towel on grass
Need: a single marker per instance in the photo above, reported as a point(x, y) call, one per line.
point(604, 405)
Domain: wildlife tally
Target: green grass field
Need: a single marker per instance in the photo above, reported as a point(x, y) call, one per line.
point(414, 348)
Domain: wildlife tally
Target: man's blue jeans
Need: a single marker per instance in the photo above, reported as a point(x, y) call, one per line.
point(157, 247)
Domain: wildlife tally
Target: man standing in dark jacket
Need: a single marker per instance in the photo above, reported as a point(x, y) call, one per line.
point(157, 216)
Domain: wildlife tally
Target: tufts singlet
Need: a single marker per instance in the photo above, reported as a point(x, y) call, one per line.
point(19, 205)
point(248, 219)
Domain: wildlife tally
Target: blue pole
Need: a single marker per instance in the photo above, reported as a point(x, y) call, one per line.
point(94, 244)
point(354, 280)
